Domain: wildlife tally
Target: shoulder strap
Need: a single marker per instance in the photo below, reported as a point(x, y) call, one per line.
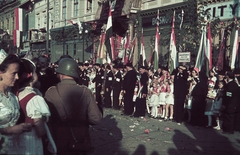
point(23, 103)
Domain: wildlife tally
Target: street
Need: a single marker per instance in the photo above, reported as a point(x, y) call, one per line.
point(124, 135)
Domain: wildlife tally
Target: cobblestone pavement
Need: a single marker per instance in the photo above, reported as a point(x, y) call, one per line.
point(124, 135)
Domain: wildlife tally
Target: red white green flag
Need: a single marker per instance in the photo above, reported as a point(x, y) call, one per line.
point(157, 39)
point(172, 64)
point(234, 44)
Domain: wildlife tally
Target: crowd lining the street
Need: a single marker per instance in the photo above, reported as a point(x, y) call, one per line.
point(36, 87)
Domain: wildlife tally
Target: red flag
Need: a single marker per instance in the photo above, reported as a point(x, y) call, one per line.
point(109, 40)
point(209, 48)
point(220, 59)
point(157, 38)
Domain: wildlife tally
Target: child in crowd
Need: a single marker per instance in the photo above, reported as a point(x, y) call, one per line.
point(209, 102)
point(169, 101)
point(218, 103)
point(162, 98)
point(192, 80)
point(153, 100)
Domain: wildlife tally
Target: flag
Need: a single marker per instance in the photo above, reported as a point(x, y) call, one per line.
point(17, 33)
point(131, 48)
point(200, 55)
point(142, 59)
point(109, 40)
point(150, 61)
point(220, 59)
point(157, 38)
point(119, 40)
point(234, 45)
point(126, 47)
point(172, 64)
point(208, 52)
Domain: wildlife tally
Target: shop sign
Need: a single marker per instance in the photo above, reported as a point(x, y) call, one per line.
point(184, 57)
point(163, 18)
point(223, 10)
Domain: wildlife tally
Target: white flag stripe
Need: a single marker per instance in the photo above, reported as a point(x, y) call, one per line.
point(234, 50)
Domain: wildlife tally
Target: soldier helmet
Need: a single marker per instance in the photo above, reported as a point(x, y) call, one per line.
point(69, 67)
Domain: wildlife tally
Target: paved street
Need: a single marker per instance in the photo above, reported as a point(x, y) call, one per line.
point(124, 135)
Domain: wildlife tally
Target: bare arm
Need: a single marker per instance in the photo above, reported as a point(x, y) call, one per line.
point(16, 129)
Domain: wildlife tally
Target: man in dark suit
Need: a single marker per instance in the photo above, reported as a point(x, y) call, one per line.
point(230, 103)
point(117, 87)
point(98, 82)
point(81, 73)
point(85, 78)
point(141, 100)
point(108, 87)
point(180, 92)
point(129, 83)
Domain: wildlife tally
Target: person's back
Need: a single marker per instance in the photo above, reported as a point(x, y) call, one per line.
point(73, 108)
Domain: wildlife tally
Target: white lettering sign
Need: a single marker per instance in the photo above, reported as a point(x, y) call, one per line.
point(184, 57)
point(223, 10)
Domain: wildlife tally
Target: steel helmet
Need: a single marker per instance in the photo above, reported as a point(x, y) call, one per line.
point(68, 66)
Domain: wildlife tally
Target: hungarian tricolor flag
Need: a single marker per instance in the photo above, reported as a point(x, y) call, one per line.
point(126, 47)
point(201, 50)
point(142, 60)
point(220, 60)
point(234, 44)
point(208, 52)
point(157, 38)
point(109, 40)
point(172, 64)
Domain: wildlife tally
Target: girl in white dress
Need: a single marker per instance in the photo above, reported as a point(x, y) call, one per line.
point(169, 100)
point(153, 100)
point(162, 97)
point(9, 106)
point(209, 103)
point(35, 109)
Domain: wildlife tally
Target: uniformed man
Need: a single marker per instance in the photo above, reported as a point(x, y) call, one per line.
point(85, 77)
point(98, 80)
point(73, 108)
point(141, 100)
point(128, 89)
point(108, 87)
point(117, 87)
point(81, 73)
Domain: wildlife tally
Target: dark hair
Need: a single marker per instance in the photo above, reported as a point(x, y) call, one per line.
point(26, 67)
point(230, 74)
point(10, 59)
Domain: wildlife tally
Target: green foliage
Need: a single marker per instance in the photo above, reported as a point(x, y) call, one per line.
point(190, 34)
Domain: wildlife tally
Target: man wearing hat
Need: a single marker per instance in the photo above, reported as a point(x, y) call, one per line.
point(108, 87)
point(81, 73)
point(117, 87)
point(85, 78)
point(230, 103)
point(129, 83)
point(143, 91)
point(73, 108)
point(180, 92)
point(98, 82)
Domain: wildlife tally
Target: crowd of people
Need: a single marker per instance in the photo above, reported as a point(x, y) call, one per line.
point(42, 108)
point(186, 95)
point(44, 103)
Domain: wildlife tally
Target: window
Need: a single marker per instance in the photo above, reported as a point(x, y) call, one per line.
point(74, 49)
point(45, 20)
point(75, 12)
point(64, 9)
point(89, 5)
point(39, 20)
point(67, 49)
